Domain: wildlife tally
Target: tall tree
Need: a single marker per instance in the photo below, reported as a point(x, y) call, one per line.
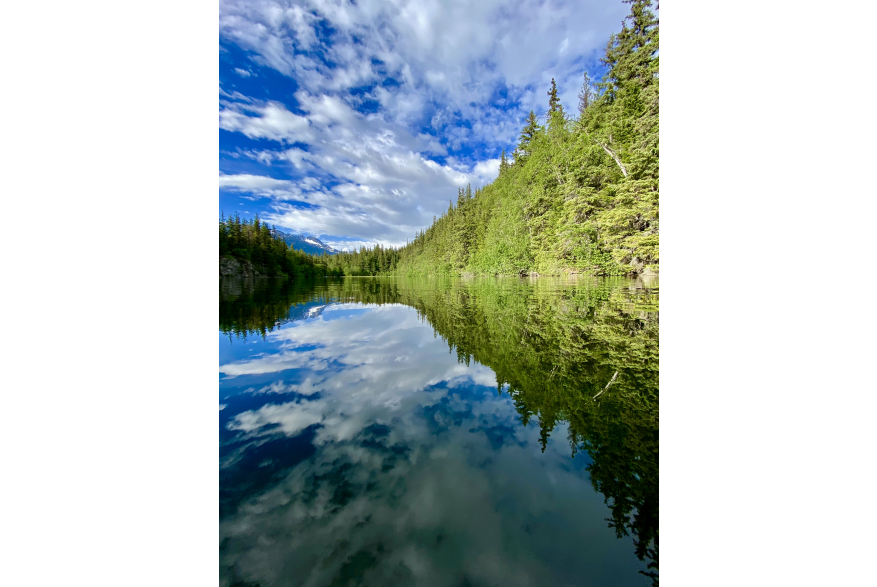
point(553, 100)
point(527, 135)
point(503, 163)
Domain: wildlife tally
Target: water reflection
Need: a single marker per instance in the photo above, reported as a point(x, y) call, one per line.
point(395, 432)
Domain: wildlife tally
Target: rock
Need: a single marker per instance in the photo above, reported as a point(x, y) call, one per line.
point(636, 265)
point(230, 267)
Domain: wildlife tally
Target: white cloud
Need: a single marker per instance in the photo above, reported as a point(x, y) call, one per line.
point(273, 121)
point(388, 190)
point(486, 171)
point(452, 61)
point(242, 72)
point(252, 183)
point(348, 245)
point(455, 52)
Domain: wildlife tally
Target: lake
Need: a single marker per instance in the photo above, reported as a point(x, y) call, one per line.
point(446, 432)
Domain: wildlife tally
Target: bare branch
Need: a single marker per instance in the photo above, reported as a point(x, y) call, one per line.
point(607, 385)
point(614, 156)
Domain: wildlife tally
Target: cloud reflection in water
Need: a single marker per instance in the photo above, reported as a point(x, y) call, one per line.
point(371, 454)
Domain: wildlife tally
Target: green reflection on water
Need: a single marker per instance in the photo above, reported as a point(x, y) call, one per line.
point(582, 351)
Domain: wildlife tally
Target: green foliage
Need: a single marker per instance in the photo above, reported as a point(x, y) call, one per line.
point(254, 242)
point(580, 197)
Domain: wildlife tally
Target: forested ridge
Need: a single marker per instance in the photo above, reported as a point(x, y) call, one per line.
point(579, 194)
point(253, 242)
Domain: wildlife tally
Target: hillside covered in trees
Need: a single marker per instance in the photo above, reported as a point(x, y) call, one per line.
point(578, 195)
point(250, 248)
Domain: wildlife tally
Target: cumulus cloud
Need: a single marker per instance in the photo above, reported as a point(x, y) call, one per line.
point(272, 121)
point(454, 52)
point(445, 79)
point(385, 188)
point(252, 182)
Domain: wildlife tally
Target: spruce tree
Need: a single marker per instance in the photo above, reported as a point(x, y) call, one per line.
point(527, 135)
point(553, 100)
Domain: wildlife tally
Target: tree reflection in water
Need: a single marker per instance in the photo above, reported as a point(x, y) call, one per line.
point(581, 351)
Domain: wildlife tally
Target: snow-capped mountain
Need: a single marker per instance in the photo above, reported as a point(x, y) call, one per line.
point(308, 244)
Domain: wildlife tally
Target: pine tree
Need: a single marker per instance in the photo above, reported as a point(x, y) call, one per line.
point(556, 116)
point(527, 135)
point(553, 100)
point(503, 163)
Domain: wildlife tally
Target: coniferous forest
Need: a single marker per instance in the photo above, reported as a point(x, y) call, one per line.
point(579, 194)
point(255, 244)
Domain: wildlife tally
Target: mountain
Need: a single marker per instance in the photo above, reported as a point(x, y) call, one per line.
point(308, 244)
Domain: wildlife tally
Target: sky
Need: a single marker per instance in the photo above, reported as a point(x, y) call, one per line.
point(356, 122)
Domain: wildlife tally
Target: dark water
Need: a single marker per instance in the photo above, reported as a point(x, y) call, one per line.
point(438, 432)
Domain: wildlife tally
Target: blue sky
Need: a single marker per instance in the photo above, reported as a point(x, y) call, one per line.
point(357, 122)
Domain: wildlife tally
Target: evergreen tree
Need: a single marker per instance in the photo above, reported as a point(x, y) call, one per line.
point(528, 134)
point(556, 116)
point(503, 163)
point(553, 100)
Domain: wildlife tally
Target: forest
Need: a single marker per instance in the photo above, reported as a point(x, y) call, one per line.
point(579, 194)
point(254, 243)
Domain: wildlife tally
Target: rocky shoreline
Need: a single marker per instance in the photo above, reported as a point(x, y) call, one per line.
point(231, 267)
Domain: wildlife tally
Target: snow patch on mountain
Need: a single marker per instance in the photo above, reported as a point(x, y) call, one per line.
point(308, 244)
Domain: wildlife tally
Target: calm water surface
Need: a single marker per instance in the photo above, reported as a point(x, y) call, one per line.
point(392, 431)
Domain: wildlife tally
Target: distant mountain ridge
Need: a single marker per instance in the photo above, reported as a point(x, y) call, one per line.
point(308, 244)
